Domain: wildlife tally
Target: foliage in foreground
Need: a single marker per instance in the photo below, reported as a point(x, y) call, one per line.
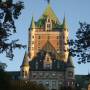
point(80, 47)
point(9, 11)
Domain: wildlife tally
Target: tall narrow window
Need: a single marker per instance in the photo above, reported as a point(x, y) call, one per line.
point(39, 37)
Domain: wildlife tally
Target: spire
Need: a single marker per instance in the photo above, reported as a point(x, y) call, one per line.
point(70, 61)
point(25, 61)
point(32, 23)
point(64, 23)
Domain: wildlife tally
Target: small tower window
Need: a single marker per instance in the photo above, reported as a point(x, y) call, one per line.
point(70, 73)
point(32, 48)
point(48, 26)
point(25, 73)
point(48, 20)
point(32, 36)
point(39, 37)
point(47, 83)
point(38, 42)
point(32, 42)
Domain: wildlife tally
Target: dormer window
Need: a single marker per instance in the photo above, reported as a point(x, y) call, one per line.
point(47, 62)
point(48, 25)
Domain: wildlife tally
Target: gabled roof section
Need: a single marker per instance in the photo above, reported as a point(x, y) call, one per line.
point(50, 13)
point(48, 47)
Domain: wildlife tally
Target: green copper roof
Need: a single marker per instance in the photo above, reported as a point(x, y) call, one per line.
point(50, 13)
point(25, 61)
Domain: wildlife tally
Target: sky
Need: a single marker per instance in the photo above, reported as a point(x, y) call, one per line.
point(74, 10)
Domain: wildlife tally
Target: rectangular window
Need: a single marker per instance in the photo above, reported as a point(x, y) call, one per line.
point(70, 73)
point(39, 37)
point(53, 84)
point(32, 36)
point(39, 43)
point(48, 26)
point(38, 48)
point(32, 48)
point(48, 20)
point(47, 83)
point(32, 42)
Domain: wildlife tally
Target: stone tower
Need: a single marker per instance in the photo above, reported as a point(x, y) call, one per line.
point(25, 68)
point(70, 76)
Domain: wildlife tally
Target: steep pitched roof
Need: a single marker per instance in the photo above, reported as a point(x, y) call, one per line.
point(64, 23)
point(48, 47)
point(25, 61)
point(32, 23)
point(50, 13)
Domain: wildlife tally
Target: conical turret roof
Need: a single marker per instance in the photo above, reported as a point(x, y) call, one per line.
point(64, 23)
point(25, 61)
point(70, 62)
point(50, 13)
point(32, 23)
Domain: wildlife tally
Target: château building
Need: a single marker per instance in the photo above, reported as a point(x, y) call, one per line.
point(48, 61)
